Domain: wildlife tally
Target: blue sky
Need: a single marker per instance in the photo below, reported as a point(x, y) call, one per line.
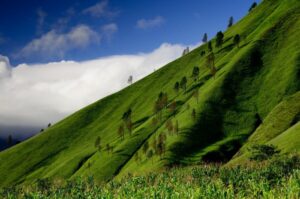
point(109, 27)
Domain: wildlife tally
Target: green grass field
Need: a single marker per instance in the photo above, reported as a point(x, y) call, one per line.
point(254, 97)
point(271, 179)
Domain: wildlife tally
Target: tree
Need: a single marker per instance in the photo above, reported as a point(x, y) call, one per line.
point(231, 21)
point(195, 73)
point(145, 147)
point(183, 83)
point(196, 94)
point(127, 120)
point(49, 125)
point(42, 130)
point(252, 6)
point(121, 131)
point(204, 39)
point(150, 155)
point(209, 46)
point(9, 140)
point(236, 40)
point(219, 39)
point(160, 103)
point(98, 143)
point(194, 114)
point(202, 53)
point(130, 79)
point(210, 60)
point(176, 87)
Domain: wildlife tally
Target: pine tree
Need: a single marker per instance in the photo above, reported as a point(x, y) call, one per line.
point(236, 40)
point(195, 73)
point(230, 23)
point(219, 39)
point(204, 39)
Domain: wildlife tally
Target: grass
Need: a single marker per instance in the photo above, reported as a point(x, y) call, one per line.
point(251, 81)
point(272, 179)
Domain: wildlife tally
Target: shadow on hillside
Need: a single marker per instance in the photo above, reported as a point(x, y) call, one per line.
point(209, 126)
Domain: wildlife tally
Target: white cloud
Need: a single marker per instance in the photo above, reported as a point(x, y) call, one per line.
point(34, 95)
point(100, 9)
point(4, 67)
point(150, 23)
point(109, 29)
point(57, 44)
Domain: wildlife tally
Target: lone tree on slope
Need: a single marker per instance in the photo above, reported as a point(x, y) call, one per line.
point(236, 40)
point(130, 79)
point(176, 87)
point(219, 39)
point(183, 83)
point(209, 46)
point(195, 73)
point(127, 120)
point(252, 6)
point(98, 143)
point(204, 39)
point(230, 22)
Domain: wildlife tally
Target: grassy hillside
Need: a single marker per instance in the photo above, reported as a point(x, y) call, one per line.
point(251, 80)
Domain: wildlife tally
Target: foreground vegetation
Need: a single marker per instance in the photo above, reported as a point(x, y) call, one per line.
point(276, 178)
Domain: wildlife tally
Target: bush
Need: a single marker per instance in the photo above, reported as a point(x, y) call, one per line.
point(263, 152)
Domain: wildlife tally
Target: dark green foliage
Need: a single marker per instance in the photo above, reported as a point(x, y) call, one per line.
point(204, 39)
point(202, 53)
point(127, 120)
point(183, 83)
point(209, 46)
point(230, 22)
point(195, 73)
point(176, 87)
point(236, 40)
point(219, 39)
point(252, 6)
point(263, 152)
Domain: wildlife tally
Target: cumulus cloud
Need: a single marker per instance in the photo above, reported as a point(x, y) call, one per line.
point(100, 9)
point(150, 23)
point(34, 95)
point(4, 67)
point(56, 44)
point(109, 29)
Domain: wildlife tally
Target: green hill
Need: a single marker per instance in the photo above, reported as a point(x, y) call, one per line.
point(254, 97)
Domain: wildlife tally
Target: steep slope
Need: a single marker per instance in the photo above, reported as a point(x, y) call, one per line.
point(251, 80)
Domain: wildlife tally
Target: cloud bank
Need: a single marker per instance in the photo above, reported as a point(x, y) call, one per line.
point(34, 95)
